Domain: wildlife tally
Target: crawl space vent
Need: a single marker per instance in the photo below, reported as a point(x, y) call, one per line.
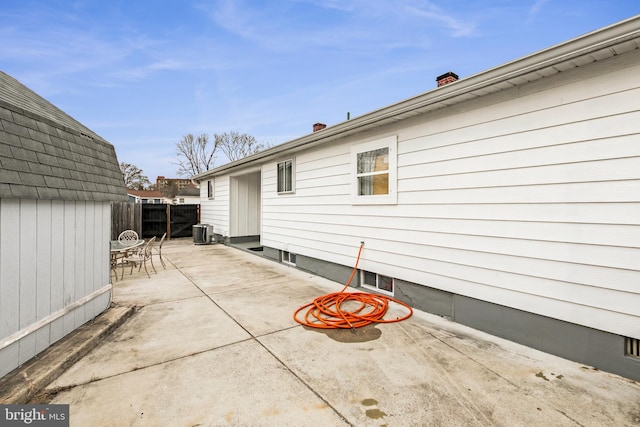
point(632, 347)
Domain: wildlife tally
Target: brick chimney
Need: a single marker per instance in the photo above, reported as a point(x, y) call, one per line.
point(449, 77)
point(318, 126)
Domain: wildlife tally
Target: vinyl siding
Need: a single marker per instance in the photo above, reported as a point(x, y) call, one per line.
point(216, 211)
point(529, 198)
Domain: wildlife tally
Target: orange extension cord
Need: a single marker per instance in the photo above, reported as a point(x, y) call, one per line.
point(325, 311)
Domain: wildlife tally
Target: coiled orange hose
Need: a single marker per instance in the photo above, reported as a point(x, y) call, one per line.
point(326, 312)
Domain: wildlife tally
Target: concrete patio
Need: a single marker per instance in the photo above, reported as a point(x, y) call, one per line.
point(212, 342)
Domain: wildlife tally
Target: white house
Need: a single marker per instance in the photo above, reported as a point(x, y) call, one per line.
point(57, 181)
point(187, 196)
point(508, 201)
point(154, 197)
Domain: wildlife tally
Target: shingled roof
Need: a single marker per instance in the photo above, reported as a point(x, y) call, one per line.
point(46, 154)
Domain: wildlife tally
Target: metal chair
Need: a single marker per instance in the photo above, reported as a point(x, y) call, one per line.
point(128, 236)
point(114, 263)
point(142, 256)
point(160, 250)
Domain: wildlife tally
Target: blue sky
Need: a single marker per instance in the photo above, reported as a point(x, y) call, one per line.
point(143, 73)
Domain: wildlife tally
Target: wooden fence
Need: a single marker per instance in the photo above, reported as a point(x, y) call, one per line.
point(153, 220)
point(125, 216)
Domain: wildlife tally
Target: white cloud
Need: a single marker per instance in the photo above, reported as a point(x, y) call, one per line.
point(356, 25)
point(137, 73)
point(535, 9)
point(458, 27)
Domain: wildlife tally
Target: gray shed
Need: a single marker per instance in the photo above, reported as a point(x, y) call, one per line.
point(57, 181)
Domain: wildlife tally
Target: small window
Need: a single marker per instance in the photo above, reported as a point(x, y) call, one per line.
point(374, 167)
point(378, 282)
point(373, 172)
point(210, 188)
point(288, 258)
point(285, 176)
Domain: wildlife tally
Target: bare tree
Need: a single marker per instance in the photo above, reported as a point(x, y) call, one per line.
point(170, 190)
point(195, 155)
point(133, 177)
point(237, 146)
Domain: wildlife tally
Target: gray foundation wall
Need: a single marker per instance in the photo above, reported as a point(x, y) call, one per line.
point(592, 347)
point(243, 239)
point(599, 349)
point(271, 253)
point(336, 272)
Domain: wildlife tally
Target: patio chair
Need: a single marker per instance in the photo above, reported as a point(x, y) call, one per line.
point(160, 250)
point(142, 256)
point(114, 264)
point(128, 236)
point(119, 259)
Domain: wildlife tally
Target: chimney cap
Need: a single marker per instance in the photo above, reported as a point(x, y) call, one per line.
point(448, 74)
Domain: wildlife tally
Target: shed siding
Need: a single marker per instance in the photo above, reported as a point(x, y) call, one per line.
point(529, 198)
point(216, 211)
point(53, 253)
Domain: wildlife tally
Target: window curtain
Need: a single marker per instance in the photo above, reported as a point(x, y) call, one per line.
point(369, 163)
point(285, 176)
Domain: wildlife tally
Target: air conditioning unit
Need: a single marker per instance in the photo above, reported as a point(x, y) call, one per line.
point(202, 234)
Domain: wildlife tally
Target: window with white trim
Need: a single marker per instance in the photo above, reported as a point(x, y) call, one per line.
point(374, 167)
point(285, 176)
point(210, 189)
point(377, 282)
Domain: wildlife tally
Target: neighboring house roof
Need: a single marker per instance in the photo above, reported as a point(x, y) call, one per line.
point(189, 192)
point(46, 154)
point(584, 50)
point(147, 194)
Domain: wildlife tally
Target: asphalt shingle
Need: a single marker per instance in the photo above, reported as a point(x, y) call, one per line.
point(9, 138)
point(13, 164)
point(5, 150)
point(5, 114)
point(15, 129)
point(22, 154)
point(32, 179)
point(9, 176)
point(48, 193)
point(23, 191)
